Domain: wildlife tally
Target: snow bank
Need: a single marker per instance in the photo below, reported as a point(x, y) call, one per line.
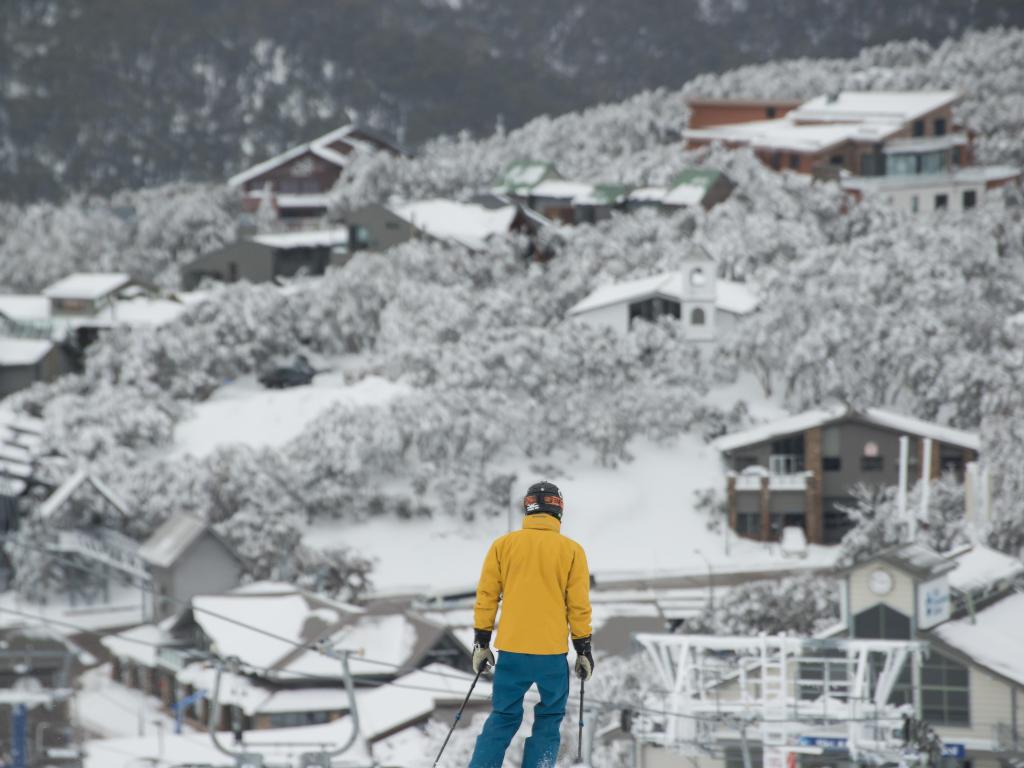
point(243, 412)
point(637, 520)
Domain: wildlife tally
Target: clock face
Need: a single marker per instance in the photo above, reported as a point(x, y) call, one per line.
point(880, 582)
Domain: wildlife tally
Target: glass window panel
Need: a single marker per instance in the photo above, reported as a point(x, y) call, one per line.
point(901, 165)
point(933, 162)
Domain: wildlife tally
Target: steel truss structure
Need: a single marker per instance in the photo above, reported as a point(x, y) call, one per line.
point(716, 687)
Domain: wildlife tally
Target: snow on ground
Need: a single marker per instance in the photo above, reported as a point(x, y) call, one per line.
point(637, 520)
point(246, 412)
point(109, 709)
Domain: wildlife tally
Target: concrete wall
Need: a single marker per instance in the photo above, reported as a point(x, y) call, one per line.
point(205, 568)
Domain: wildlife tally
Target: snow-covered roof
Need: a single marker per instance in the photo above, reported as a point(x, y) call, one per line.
point(873, 105)
point(17, 352)
point(922, 561)
point(820, 416)
point(299, 619)
point(172, 539)
point(562, 189)
point(980, 567)
point(319, 146)
point(136, 312)
point(784, 134)
point(993, 639)
point(925, 143)
point(87, 285)
point(26, 307)
point(311, 239)
point(137, 644)
point(731, 296)
point(466, 223)
point(647, 195)
point(685, 194)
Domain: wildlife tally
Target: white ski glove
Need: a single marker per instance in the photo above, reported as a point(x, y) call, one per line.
point(482, 656)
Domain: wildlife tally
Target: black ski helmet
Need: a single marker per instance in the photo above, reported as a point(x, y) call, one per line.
point(543, 498)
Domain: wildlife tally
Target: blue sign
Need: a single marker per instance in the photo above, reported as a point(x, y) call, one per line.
point(953, 750)
point(825, 742)
point(19, 736)
point(839, 743)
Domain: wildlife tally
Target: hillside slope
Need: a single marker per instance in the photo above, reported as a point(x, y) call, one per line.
point(99, 95)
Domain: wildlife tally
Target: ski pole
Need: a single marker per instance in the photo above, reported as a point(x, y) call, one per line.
point(579, 749)
point(458, 716)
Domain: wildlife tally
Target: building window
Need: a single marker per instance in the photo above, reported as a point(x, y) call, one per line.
point(653, 308)
point(769, 112)
point(871, 463)
point(956, 156)
point(831, 463)
point(970, 199)
point(881, 623)
point(836, 160)
point(933, 162)
point(776, 160)
point(941, 201)
point(940, 126)
point(914, 204)
point(945, 691)
point(748, 523)
point(794, 161)
point(836, 522)
point(297, 719)
point(918, 128)
point(901, 165)
point(232, 271)
point(697, 316)
point(787, 456)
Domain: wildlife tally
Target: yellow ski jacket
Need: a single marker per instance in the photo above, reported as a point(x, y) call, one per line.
point(542, 581)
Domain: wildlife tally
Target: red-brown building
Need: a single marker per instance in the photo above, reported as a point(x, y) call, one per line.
point(903, 145)
point(298, 180)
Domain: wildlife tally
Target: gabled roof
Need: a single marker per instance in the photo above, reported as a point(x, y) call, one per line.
point(731, 296)
point(818, 417)
point(354, 137)
point(66, 490)
point(173, 539)
point(87, 285)
point(918, 560)
point(993, 638)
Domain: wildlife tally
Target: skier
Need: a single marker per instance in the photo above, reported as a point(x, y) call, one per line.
point(542, 581)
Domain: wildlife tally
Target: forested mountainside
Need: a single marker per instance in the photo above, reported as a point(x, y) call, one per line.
point(921, 313)
point(101, 95)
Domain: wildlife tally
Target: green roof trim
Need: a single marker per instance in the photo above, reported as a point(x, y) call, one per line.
point(526, 174)
point(609, 194)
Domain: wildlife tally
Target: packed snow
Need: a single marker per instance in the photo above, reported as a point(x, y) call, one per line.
point(244, 412)
point(635, 522)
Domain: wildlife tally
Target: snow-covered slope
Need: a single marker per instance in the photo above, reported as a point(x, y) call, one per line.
point(244, 412)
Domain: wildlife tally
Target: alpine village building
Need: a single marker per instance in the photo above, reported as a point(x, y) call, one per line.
point(905, 146)
point(799, 471)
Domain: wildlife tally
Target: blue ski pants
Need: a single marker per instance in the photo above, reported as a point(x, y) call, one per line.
point(513, 675)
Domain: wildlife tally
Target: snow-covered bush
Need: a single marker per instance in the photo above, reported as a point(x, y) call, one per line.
point(801, 605)
point(877, 525)
point(148, 233)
